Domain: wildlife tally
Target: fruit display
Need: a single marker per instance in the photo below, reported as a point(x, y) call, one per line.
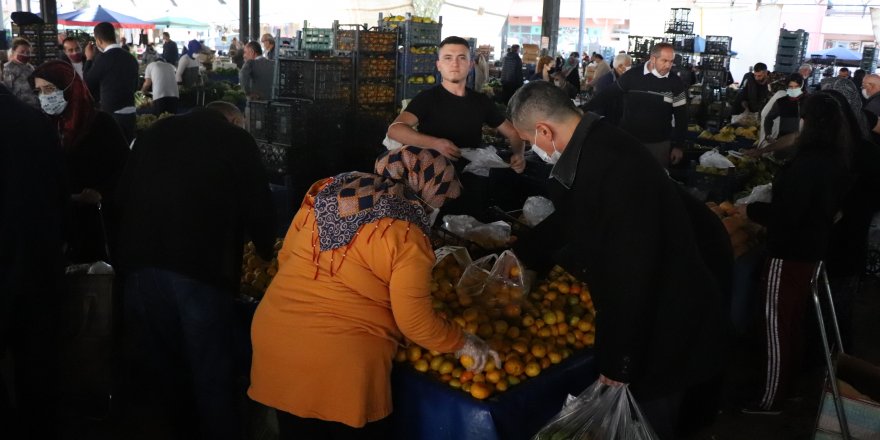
point(422, 79)
point(744, 234)
point(530, 332)
point(377, 42)
point(378, 67)
point(145, 121)
point(375, 94)
point(345, 40)
point(426, 50)
point(396, 19)
point(256, 274)
point(758, 170)
point(727, 134)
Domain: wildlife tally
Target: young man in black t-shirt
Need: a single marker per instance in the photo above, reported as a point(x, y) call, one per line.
point(450, 116)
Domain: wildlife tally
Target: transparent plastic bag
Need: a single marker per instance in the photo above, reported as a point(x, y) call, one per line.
point(536, 209)
point(714, 159)
point(474, 278)
point(760, 193)
point(482, 159)
point(505, 285)
point(601, 412)
point(489, 236)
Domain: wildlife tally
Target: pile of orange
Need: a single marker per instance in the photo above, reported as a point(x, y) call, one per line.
point(530, 332)
point(744, 234)
point(256, 274)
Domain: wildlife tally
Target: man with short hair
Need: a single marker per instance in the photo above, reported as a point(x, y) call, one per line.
point(624, 227)
point(112, 78)
point(754, 91)
point(74, 54)
point(257, 73)
point(268, 45)
point(193, 189)
point(622, 64)
point(653, 100)
point(600, 70)
point(511, 73)
point(871, 92)
point(843, 72)
point(161, 78)
point(169, 49)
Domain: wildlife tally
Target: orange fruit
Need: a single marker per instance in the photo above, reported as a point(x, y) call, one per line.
point(466, 377)
point(457, 372)
point(400, 356)
point(520, 347)
point(446, 367)
point(460, 321)
point(466, 361)
point(554, 357)
point(455, 383)
point(471, 328)
point(532, 369)
point(512, 310)
point(501, 386)
point(485, 331)
point(421, 365)
point(515, 272)
point(435, 363)
point(527, 321)
point(493, 376)
point(584, 326)
point(545, 363)
point(479, 378)
point(588, 339)
point(563, 288)
point(550, 318)
point(470, 314)
point(538, 350)
point(466, 387)
point(413, 353)
point(513, 367)
point(480, 391)
point(513, 332)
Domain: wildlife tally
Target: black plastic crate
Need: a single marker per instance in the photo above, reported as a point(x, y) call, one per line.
point(718, 187)
point(716, 62)
point(377, 42)
point(420, 63)
point(683, 43)
point(791, 51)
point(345, 40)
point(715, 78)
point(679, 27)
point(379, 68)
point(318, 79)
point(788, 68)
point(421, 34)
point(287, 124)
point(789, 60)
point(274, 157)
point(259, 121)
point(718, 45)
point(679, 14)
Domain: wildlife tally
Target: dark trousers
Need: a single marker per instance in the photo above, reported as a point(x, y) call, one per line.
point(291, 427)
point(662, 414)
point(786, 298)
point(167, 104)
point(127, 123)
point(181, 352)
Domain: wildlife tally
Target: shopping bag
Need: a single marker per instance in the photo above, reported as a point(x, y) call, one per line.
point(473, 280)
point(505, 285)
point(482, 159)
point(600, 412)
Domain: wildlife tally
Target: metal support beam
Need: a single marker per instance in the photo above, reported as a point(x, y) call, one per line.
point(243, 21)
point(255, 20)
point(49, 10)
point(550, 24)
point(583, 27)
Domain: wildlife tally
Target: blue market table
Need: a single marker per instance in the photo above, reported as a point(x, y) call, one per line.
point(427, 409)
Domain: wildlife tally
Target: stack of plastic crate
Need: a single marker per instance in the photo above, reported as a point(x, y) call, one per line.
point(791, 50)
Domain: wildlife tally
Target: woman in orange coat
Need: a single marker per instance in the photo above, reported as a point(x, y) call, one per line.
point(353, 280)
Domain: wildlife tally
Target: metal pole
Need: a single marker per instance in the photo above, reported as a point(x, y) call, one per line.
point(50, 11)
point(550, 24)
point(582, 28)
point(255, 20)
point(244, 34)
point(818, 276)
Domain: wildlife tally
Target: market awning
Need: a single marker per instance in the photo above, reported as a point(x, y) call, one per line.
point(180, 23)
point(93, 16)
point(837, 53)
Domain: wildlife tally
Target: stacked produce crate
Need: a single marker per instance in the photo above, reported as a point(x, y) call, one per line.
point(869, 60)
point(640, 47)
point(43, 39)
point(420, 37)
point(715, 62)
point(680, 33)
point(375, 55)
point(791, 50)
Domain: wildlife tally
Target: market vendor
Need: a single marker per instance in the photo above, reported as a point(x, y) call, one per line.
point(450, 116)
point(787, 109)
point(622, 226)
point(353, 281)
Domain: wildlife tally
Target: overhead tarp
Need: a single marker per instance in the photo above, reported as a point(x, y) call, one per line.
point(92, 16)
point(483, 20)
point(837, 53)
point(179, 22)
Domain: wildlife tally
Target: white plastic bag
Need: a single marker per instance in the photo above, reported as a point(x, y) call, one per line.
point(536, 209)
point(760, 193)
point(600, 412)
point(489, 236)
point(482, 159)
point(714, 159)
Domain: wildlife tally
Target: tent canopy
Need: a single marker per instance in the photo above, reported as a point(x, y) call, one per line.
point(98, 14)
point(839, 53)
point(179, 22)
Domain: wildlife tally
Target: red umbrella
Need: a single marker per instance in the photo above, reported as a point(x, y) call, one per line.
point(98, 14)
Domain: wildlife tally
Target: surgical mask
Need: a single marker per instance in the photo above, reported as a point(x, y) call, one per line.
point(865, 94)
point(794, 93)
point(23, 59)
point(656, 73)
point(75, 57)
point(53, 103)
point(549, 158)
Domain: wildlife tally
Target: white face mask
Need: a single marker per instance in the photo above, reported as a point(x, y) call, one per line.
point(865, 94)
point(53, 103)
point(432, 217)
point(794, 93)
point(549, 158)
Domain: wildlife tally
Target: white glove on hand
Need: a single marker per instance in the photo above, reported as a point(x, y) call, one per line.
point(479, 351)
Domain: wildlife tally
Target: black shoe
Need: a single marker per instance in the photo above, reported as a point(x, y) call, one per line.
point(756, 409)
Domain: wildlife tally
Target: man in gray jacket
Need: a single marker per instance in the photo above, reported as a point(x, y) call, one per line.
point(257, 73)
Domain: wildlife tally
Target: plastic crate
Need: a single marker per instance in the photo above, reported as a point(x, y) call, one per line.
point(788, 68)
point(683, 43)
point(791, 51)
point(788, 60)
point(318, 79)
point(679, 14)
point(345, 40)
point(274, 157)
point(377, 68)
point(377, 42)
point(718, 187)
point(718, 45)
point(420, 63)
point(716, 62)
point(421, 34)
point(259, 122)
point(286, 122)
point(384, 114)
point(715, 78)
point(375, 94)
point(680, 27)
point(319, 39)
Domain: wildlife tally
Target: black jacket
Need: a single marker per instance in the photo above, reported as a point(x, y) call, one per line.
point(511, 69)
point(621, 225)
point(170, 53)
point(752, 94)
point(112, 78)
point(193, 188)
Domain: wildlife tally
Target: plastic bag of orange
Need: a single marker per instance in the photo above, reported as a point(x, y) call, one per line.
point(474, 278)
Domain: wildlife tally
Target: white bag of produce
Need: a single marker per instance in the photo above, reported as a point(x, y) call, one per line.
point(489, 236)
point(600, 412)
point(536, 209)
point(461, 255)
point(714, 159)
point(482, 159)
point(473, 280)
point(760, 193)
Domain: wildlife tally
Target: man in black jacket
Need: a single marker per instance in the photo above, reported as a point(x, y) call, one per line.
point(653, 100)
point(112, 77)
point(169, 49)
point(754, 91)
point(193, 189)
point(511, 73)
point(621, 225)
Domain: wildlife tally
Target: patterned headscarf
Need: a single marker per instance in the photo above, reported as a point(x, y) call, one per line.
point(406, 180)
point(74, 121)
point(853, 96)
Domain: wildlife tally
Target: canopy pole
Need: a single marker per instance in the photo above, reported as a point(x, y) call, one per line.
point(255, 20)
point(243, 20)
point(582, 28)
point(550, 24)
point(50, 11)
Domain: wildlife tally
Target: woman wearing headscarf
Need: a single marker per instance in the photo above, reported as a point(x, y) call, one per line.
point(807, 197)
point(353, 281)
point(189, 60)
point(94, 150)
